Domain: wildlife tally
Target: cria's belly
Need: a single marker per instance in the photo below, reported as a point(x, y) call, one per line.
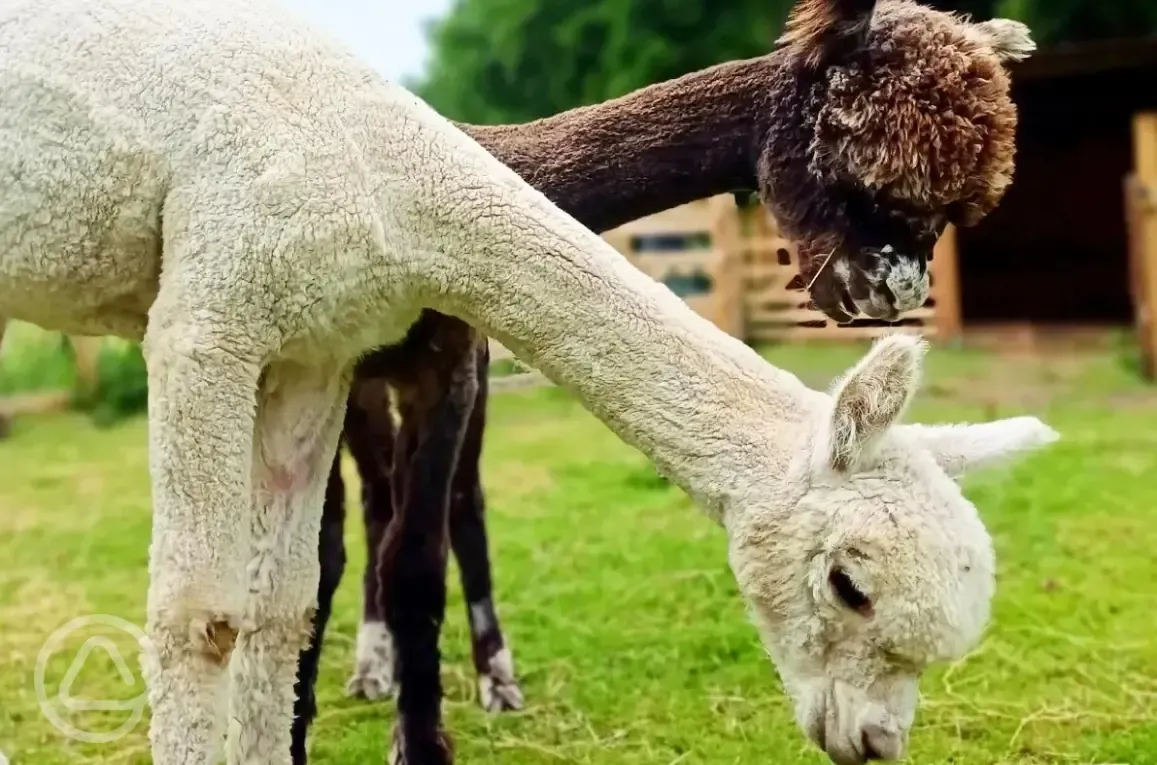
point(80, 199)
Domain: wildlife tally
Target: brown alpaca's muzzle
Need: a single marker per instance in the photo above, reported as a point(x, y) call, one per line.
point(871, 283)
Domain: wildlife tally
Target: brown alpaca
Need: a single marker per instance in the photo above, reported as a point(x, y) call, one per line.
point(868, 129)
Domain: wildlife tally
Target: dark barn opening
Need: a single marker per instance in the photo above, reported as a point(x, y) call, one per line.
point(1055, 251)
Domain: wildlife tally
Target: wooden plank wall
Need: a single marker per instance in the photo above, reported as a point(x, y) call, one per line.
point(706, 228)
point(1141, 211)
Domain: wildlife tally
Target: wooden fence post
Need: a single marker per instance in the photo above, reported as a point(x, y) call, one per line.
point(86, 356)
point(1141, 207)
point(946, 287)
point(728, 260)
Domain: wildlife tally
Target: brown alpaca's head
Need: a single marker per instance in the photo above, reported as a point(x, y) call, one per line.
point(889, 121)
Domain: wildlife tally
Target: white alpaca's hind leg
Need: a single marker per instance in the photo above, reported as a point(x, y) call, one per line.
point(298, 424)
point(201, 393)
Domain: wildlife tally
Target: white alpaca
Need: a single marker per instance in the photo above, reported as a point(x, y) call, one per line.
point(232, 187)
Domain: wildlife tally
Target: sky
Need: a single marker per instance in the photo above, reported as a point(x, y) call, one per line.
point(387, 34)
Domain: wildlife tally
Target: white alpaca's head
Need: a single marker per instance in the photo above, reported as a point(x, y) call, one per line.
point(867, 563)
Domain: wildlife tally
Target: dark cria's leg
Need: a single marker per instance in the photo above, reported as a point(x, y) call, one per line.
point(497, 686)
point(370, 435)
point(331, 551)
point(435, 399)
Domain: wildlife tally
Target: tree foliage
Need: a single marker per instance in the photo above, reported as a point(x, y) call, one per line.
point(1056, 21)
point(516, 60)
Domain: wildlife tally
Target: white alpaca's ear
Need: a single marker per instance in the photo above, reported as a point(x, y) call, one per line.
point(1010, 40)
point(960, 449)
point(872, 397)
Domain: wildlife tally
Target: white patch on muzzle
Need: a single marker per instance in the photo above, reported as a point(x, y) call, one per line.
point(908, 284)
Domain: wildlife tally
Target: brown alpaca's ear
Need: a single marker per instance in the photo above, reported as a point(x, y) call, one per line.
point(1010, 40)
point(822, 31)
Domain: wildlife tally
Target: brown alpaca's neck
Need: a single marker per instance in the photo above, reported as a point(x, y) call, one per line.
point(659, 147)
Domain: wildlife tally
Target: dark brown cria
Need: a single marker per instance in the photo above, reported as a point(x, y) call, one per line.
point(869, 128)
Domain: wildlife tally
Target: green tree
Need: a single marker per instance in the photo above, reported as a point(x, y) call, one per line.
point(1080, 20)
point(515, 60)
point(1055, 21)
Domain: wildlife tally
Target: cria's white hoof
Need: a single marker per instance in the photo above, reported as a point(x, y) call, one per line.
point(498, 690)
point(499, 697)
point(373, 676)
point(370, 682)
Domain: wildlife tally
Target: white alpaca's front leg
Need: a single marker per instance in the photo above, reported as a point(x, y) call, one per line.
point(298, 424)
point(201, 393)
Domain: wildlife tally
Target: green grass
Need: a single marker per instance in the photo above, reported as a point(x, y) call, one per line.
point(628, 634)
point(38, 361)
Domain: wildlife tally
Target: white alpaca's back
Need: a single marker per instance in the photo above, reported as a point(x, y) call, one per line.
point(121, 118)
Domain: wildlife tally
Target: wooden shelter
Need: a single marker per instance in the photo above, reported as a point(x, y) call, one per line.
point(1073, 245)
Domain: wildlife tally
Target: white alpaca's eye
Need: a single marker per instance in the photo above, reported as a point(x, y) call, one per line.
point(848, 593)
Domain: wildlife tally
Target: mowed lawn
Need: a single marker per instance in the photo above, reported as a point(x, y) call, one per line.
point(628, 634)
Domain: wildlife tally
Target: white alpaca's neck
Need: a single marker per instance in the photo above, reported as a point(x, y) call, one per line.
point(703, 406)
